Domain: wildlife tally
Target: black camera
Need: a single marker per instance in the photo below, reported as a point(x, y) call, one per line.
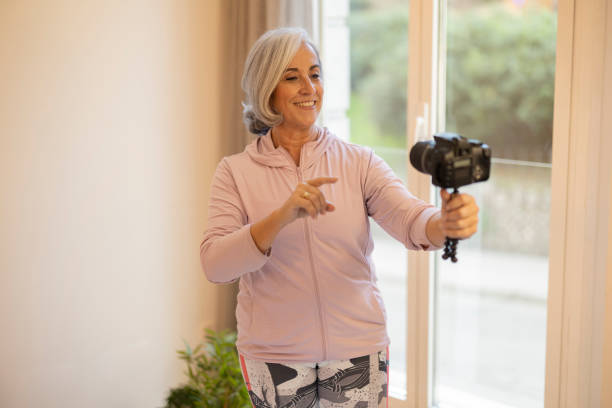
point(452, 160)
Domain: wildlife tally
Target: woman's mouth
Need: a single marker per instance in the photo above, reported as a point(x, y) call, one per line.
point(306, 104)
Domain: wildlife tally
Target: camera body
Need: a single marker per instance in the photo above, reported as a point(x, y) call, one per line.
point(452, 160)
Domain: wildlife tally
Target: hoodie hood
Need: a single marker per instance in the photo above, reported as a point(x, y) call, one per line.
point(262, 151)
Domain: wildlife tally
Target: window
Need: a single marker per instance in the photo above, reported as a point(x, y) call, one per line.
point(489, 346)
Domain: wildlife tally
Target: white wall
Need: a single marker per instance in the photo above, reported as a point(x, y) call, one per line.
point(109, 134)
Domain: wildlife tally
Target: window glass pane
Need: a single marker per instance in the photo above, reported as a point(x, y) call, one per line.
point(379, 65)
point(490, 307)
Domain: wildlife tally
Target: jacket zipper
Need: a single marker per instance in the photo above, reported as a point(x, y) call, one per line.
point(314, 275)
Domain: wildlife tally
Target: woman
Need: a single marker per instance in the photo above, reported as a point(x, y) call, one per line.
point(289, 218)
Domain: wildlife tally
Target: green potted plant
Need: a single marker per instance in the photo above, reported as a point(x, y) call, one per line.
point(214, 376)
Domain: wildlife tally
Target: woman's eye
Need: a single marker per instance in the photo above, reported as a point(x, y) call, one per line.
point(290, 78)
point(316, 76)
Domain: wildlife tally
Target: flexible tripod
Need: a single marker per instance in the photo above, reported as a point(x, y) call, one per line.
point(450, 244)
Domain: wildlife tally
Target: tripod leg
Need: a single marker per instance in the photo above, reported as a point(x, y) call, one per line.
point(450, 244)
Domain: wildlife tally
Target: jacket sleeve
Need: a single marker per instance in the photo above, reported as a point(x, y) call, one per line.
point(394, 208)
point(228, 250)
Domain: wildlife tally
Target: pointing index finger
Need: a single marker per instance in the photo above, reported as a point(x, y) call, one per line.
point(319, 181)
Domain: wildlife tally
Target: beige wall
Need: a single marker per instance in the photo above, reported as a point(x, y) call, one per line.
point(109, 134)
point(606, 388)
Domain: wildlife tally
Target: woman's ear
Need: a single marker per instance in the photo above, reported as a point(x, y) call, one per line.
point(272, 103)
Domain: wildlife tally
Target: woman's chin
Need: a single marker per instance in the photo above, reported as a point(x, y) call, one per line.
point(303, 124)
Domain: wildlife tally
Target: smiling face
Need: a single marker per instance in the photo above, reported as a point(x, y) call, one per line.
point(299, 93)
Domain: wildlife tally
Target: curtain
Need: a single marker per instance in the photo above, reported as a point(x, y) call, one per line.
point(244, 21)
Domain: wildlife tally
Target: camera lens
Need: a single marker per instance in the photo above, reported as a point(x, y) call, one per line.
point(419, 155)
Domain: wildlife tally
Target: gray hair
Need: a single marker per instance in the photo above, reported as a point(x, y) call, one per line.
point(264, 67)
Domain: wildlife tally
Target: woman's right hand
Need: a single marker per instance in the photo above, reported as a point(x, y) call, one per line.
point(307, 200)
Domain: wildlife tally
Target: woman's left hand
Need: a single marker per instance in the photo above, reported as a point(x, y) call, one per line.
point(459, 217)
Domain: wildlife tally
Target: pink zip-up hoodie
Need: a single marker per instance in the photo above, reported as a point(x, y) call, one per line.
point(314, 298)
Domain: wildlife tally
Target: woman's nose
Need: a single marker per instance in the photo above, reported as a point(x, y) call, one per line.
point(307, 86)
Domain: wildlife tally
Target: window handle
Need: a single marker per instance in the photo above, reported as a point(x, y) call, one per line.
point(421, 127)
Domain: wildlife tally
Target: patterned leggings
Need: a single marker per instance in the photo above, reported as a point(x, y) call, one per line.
point(360, 382)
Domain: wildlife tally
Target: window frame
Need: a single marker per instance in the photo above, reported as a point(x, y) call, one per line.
point(423, 32)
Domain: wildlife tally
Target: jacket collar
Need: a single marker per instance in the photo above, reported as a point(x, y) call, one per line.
point(262, 150)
